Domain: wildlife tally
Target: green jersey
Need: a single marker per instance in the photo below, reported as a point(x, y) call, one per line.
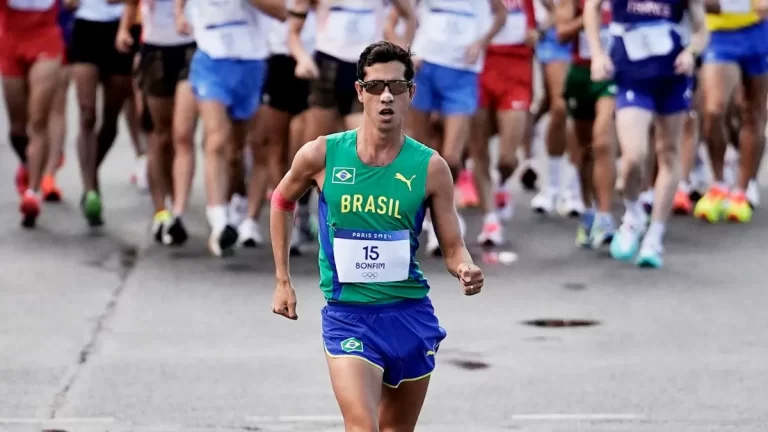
point(370, 220)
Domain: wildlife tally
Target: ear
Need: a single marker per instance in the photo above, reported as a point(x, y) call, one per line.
point(412, 91)
point(360, 91)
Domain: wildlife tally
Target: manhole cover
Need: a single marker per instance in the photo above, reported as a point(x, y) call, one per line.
point(576, 286)
point(561, 323)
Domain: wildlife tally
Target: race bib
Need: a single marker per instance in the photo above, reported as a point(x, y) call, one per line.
point(222, 13)
point(451, 28)
point(161, 13)
point(606, 41)
point(371, 256)
point(646, 42)
point(31, 5)
point(514, 30)
point(357, 26)
point(736, 6)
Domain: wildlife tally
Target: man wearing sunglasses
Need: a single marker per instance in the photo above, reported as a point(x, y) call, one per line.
point(379, 328)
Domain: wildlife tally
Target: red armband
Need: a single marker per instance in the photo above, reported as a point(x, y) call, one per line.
point(281, 203)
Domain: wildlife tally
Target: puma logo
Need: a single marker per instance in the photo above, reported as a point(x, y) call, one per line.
point(400, 177)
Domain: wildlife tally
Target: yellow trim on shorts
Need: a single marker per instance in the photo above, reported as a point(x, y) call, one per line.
point(328, 353)
point(426, 375)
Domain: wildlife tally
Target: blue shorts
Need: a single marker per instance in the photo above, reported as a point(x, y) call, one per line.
point(747, 47)
point(549, 50)
point(663, 96)
point(445, 90)
point(237, 84)
point(399, 338)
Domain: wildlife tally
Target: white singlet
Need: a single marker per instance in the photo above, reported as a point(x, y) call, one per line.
point(541, 13)
point(346, 27)
point(516, 26)
point(447, 28)
point(278, 34)
point(229, 29)
point(159, 24)
point(99, 10)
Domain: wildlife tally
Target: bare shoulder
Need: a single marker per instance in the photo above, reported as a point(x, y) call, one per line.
point(439, 177)
point(310, 159)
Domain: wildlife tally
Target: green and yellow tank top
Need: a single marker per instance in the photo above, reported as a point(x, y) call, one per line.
point(370, 219)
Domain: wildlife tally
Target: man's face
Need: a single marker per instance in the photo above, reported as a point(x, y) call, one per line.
point(385, 105)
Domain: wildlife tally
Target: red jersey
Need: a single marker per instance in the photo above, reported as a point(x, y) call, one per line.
point(581, 53)
point(25, 16)
point(521, 19)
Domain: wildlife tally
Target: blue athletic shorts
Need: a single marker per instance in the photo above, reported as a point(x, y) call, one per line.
point(445, 90)
point(747, 47)
point(399, 338)
point(237, 84)
point(663, 96)
point(550, 50)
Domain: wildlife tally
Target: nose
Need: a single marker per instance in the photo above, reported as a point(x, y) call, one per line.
point(387, 95)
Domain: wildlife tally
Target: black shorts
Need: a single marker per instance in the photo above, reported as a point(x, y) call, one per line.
point(282, 90)
point(335, 88)
point(161, 68)
point(93, 43)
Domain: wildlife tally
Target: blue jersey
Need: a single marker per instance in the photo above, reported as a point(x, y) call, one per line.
point(648, 36)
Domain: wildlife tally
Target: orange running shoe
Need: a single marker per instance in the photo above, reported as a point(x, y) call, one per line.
point(682, 205)
point(467, 192)
point(30, 209)
point(50, 190)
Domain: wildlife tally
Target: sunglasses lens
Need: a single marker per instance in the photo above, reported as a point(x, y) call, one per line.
point(398, 88)
point(376, 88)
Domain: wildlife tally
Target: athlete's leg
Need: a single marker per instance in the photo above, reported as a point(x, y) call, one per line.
point(15, 91)
point(554, 80)
point(276, 137)
point(400, 407)
point(57, 133)
point(184, 124)
point(160, 142)
point(481, 172)
point(357, 386)
point(86, 79)
point(669, 133)
point(117, 88)
point(248, 230)
point(603, 179)
point(583, 160)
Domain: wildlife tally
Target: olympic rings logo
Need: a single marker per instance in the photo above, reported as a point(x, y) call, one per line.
point(370, 275)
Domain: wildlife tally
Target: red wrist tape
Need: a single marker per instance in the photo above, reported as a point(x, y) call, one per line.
point(281, 203)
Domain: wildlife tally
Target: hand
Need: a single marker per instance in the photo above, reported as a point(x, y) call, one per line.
point(685, 63)
point(761, 8)
point(284, 300)
point(473, 52)
point(71, 4)
point(124, 41)
point(532, 37)
point(602, 67)
point(182, 25)
point(471, 278)
point(306, 69)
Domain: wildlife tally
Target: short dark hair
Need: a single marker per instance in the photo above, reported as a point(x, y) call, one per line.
point(384, 52)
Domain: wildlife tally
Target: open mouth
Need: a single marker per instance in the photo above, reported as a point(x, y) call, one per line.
point(386, 111)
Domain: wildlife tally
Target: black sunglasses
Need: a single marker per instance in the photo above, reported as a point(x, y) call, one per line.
point(376, 87)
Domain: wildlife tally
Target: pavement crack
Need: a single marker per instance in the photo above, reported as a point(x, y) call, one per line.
point(125, 259)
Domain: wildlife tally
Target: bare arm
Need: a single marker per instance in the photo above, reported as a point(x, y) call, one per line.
point(567, 24)
point(307, 166)
point(129, 15)
point(402, 9)
point(700, 36)
point(499, 18)
point(591, 17)
point(444, 217)
point(296, 20)
point(274, 8)
point(178, 8)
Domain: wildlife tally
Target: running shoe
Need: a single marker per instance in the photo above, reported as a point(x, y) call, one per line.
point(221, 242)
point(584, 230)
point(491, 235)
point(248, 234)
point(571, 205)
point(29, 208)
point(175, 233)
point(682, 204)
point(22, 179)
point(738, 209)
point(603, 230)
point(51, 192)
point(545, 201)
point(650, 256)
point(505, 205)
point(91, 207)
point(140, 177)
point(529, 179)
point(753, 194)
point(159, 221)
point(711, 207)
point(466, 190)
point(626, 240)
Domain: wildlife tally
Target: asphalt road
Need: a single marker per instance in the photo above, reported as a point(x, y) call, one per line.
point(103, 331)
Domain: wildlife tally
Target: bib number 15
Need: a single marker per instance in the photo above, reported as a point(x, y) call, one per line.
point(371, 252)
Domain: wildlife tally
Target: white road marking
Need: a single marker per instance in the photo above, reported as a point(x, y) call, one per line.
point(576, 417)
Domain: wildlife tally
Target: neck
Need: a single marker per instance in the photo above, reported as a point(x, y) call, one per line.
point(376, 141)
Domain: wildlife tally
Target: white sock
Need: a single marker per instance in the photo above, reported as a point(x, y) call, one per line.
point(633, 210)
point(555, 170)
point(491, 218)
point(655, 233)
point(217, 217)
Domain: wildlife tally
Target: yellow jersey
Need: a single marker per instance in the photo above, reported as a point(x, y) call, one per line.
point(733, 20)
